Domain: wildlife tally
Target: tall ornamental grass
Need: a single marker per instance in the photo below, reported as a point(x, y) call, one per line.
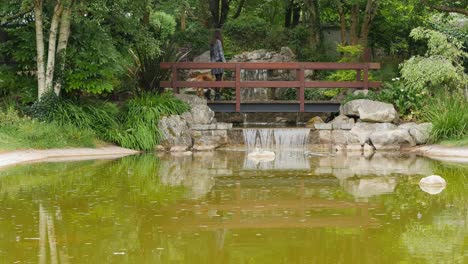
point(139, 123)
point(449, 117)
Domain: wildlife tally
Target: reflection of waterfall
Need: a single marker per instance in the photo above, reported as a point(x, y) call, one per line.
point(288, 145)
point(255, 94)
point(284, 160)
point(274, 139)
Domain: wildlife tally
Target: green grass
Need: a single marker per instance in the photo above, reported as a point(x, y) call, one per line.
point(449, 117)
point(25, 133)
point(463, 142)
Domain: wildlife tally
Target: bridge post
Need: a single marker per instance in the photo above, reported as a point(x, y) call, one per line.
point(174, 79)
point(238, 88)
point(358, 75)
point(301, 88)
point(366, 76)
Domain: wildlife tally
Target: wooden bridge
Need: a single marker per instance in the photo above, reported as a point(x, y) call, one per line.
point(299, 105)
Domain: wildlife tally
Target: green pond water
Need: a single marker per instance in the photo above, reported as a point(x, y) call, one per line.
point(221, 207)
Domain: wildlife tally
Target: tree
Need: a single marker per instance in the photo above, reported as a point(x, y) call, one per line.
point(448, 6)
point(61, 16)
point(219, 12)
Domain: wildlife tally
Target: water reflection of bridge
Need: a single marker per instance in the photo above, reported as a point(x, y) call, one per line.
point(298, 212)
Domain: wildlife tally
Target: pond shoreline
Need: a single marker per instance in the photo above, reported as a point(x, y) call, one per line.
point(34, 155)
point(440, 152)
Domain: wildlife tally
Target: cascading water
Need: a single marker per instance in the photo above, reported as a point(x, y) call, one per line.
point(287, 144)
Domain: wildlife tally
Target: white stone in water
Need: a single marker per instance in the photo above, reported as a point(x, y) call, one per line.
point(261, 155)
point(433, 184)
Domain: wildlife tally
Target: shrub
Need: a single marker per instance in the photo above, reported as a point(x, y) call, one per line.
point(247, 32)
point(139, 125)
point(449, 117)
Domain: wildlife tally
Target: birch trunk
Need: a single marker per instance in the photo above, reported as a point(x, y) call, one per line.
point(52, 239)
point(39, 48)
point(64, 35)
point(52, 45)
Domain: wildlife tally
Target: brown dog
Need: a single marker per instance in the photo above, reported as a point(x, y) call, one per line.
point(202, 77)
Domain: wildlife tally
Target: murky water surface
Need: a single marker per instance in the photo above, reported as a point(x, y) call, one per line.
point(221, 207)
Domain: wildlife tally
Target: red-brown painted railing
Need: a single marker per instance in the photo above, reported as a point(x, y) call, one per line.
point(300, 67)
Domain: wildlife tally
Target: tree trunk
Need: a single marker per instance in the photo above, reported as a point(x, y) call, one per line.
point(52, 45)
point(354, 24)
point(239, 9)
point(296, 15)
point(342, 15)
point(183, 17)
point(214, 9)
point(224, 12)
point(39, 48)
point(314, 22)
point(371, 10)
point(64, 35)
point(287, 14)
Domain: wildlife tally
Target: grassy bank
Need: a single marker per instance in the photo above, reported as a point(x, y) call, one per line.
point(58, 123)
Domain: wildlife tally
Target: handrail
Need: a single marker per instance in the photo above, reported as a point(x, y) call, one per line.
point(300, 83)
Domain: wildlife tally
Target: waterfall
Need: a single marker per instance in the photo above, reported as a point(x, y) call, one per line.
point(288, 145)
point(276, 138)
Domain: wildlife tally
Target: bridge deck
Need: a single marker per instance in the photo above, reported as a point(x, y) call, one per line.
point(274, 106)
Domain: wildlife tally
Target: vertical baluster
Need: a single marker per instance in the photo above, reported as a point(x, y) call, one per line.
point(238, 88)
point(174, 78)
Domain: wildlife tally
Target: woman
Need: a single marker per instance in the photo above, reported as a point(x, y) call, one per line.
point(216, 55)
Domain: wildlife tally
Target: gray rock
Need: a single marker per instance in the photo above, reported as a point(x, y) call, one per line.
point(392, 139)
point(178, 148)
point(175, 131)
point(360, 133)
point(188, 117)
point(325, 136)
point(207, 143)
point(191, 99)
point(202, 114)
point(370, 111)
point(323, 126)
point(204, 57)
point(339, 136)
point(420, 132)
point(286, 51)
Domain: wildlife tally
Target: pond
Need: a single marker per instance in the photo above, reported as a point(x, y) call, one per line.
point(221, 207)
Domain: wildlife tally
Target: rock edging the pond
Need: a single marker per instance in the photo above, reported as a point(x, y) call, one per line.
point(195, 130)
point(365, 125)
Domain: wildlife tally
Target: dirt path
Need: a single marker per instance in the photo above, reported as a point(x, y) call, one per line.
point(21, 156)
point(444, 153)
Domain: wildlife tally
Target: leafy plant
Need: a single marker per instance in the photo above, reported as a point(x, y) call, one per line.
point(441, 68)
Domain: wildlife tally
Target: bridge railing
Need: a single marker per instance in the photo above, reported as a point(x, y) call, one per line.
point(361, 82)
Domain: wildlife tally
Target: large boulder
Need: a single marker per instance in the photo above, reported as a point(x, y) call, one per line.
point(420, 132)
point(361, 132)
point(202, 114)
point(207, 143)
point(191, 99)
point(370, 111)
point(175, 132)
point(391, 139)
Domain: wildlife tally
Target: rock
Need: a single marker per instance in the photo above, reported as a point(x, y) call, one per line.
point(314, 120)
point(360, 133)
point(339, 136)
point(261, 156)
point(202, 114)
point(188, 117)
point(207, 143)
point(353, 147)
point(175, 131)
point(159, 148)
point(368, 148)
point(420, 132)
point(286, 51)
point(191, 99)
point(342, 122)
point(281, 119)
point(325, 136)
point(433, 184)
point(370, 111)
point(178, 148)
point(204, 57)
point(391, 139)
point(323, 126)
